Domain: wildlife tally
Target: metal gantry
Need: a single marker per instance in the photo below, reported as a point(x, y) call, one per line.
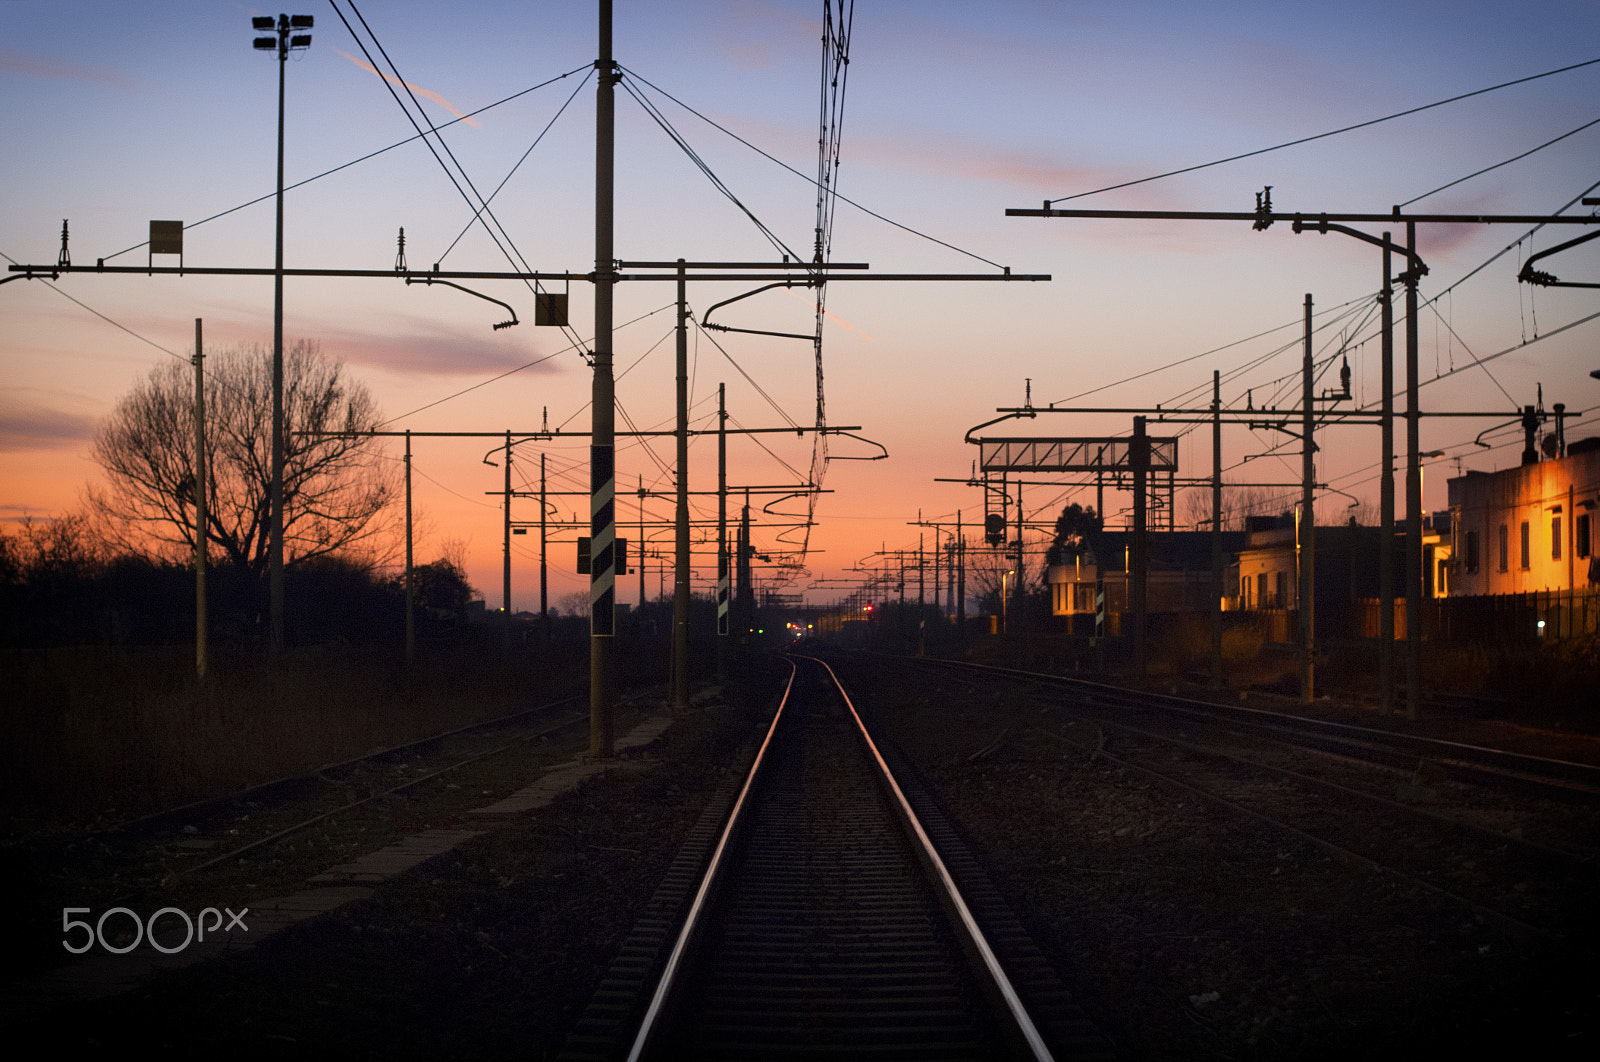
point(1262, 218)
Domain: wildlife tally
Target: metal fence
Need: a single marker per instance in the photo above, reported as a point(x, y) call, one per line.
point(1547, 614)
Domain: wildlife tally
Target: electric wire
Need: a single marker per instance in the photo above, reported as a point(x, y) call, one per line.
point(512, 255)
point(1321, 136)
point(497, 188)
point(1507, 162)
point(363, 158)
point(749, 379)
point(843, 198)
point(579, 345)
point(710, 175)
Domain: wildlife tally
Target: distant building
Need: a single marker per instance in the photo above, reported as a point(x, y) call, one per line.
point(1529, 528)
point(1179, 579)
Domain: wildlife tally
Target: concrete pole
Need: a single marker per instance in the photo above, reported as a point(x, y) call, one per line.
point(1386, 497)
point(680, 581)
point(411, 588)
point(602, 448)
point(1308, 523)
point(724, 597)
point(638, 553)
point(961, 581)
point(505, 560)
point(1016, 588)
point(544, 542)
point(1139, 461)
point(1216, 529)
point(1413, 489)
point(200, 509)
point(275, 500)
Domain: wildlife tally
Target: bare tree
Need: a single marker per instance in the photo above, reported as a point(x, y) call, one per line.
point(336, 488)
point(988, 568)
point(1239, 501)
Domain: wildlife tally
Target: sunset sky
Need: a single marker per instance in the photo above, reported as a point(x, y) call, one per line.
point(116, 114)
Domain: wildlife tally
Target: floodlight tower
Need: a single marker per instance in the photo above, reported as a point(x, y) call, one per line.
point(283, 41)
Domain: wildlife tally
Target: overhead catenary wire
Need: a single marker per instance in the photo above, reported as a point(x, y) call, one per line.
point(370, 155)
point(1507, 162)
point(634, 75)
point(705, 168)
point(507, 248)
point(1323, 136)
point(516, 166)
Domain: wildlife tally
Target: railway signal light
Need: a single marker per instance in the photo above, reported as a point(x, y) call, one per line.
point(994, 529)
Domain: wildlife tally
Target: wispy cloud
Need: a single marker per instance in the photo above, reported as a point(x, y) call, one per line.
point(44, 66)
point(760, 33)
point(945, 156)
point(428, 350)
point(427, 94)
point(37, 428)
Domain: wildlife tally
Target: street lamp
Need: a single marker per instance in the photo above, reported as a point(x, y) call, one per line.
point(1004, 601)
point(282, 42)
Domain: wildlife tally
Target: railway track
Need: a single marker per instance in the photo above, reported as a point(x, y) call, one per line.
point(1246, 764)
point(828, 922)
point(1555, 778)
point(274, 834)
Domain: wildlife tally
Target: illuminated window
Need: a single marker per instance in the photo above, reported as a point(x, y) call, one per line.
point(1526, 553)
point(1472, 552)
point(1555, 538)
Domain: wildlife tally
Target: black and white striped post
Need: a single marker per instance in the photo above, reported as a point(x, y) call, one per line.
point(602, 449)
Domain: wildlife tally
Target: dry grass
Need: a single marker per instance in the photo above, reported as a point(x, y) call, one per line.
point(93, 735)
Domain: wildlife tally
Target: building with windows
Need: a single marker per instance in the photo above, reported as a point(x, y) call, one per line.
point(1529, 528)
point(1179, 579)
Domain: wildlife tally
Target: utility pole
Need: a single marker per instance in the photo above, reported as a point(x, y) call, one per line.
point(1413, 489)
point(200, 490)
point(411, 590)
point(602, 442)
point(723, 601)
point(746, 592)
point(544, 542)
point(505, 596)
point(639, 560)
point(1308, 525)
point(1016, 589)
point(680, 581)
point(1386, 496)
point(1139, 461)
point(961, 582)
point(1216, 529)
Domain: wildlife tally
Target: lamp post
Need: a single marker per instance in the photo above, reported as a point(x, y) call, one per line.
point(1004, 601)
point(282, 42)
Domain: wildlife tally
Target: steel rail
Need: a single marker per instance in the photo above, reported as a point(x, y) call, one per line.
point(146, 821)
point(1585, 861)
point(648, 1025)
point(1534, 767)
point(296, 828)
point(997, 975)
point(1506, 923)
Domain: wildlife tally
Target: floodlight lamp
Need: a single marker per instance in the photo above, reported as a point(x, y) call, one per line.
point(302, 40)
point(264, 44)
point(263, 22)
point(300, 21)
